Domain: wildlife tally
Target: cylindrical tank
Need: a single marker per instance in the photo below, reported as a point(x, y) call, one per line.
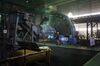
point(59, 23)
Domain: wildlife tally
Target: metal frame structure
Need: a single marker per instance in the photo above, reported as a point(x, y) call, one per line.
point(91, 21)
point(11, 19)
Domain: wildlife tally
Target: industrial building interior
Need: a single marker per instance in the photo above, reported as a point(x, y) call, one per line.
point(49, 32)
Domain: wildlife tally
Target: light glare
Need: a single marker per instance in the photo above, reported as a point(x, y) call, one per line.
point(83, 15)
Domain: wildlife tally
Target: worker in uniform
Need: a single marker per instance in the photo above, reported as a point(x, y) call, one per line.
point(57, 38)
point(70, 40)
point(92, 41)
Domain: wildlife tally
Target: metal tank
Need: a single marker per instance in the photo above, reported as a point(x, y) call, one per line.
point(57, 22)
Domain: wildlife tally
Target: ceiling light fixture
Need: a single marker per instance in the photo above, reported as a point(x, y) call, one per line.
point(83, 15)
point(27, 1)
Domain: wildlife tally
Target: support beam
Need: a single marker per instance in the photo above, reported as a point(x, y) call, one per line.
point(87, 30)
point(91, 28)
point(61, 2)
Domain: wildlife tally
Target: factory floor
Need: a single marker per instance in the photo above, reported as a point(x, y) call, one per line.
point(70, 55)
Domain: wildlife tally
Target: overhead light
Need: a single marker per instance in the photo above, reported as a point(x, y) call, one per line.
point(83, 15)
point(27, 1)
point(70, 15)
point(50, 7)
point(84, 29)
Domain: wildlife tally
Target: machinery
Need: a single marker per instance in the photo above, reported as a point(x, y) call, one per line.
point(16, 38)
point(16, 33)
point(56, 21)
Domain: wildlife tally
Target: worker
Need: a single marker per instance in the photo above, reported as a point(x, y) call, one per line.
point(70, 40)
point(57, 39)
point(92, 41)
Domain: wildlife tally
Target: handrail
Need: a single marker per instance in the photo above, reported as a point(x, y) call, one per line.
point(16, 57)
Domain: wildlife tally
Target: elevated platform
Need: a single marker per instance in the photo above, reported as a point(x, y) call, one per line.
point(70, 46)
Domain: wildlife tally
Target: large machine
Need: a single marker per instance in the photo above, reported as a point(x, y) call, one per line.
point(16, 37)
point(17, 41)
point(58, 22)
point(54, 22)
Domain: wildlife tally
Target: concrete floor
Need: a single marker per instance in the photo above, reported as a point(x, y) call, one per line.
point(70, 55)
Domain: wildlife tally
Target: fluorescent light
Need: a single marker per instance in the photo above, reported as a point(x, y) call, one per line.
point(84, 29)
point(83, 15)
point(70, 15)
point(27, 1)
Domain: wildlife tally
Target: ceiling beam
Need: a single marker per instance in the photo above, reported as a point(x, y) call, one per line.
point(61, 2)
